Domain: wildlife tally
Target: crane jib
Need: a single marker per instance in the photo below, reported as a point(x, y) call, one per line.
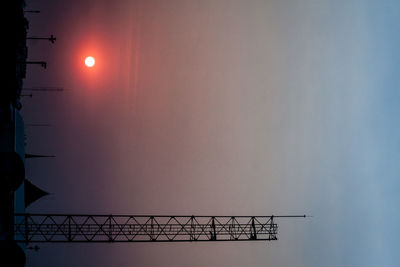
point(38, 228)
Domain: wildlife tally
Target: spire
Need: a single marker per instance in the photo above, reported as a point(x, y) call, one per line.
point(32, 193)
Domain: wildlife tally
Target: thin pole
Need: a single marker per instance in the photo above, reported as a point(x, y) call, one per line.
point(41, 63)
point(38, 125)
point(29, 95)
point(52, 39)
point(44, 89)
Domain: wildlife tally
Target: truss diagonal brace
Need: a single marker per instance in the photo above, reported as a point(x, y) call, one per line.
point(38, 228)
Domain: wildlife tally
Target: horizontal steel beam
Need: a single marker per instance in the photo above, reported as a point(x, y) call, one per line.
point(56, 228)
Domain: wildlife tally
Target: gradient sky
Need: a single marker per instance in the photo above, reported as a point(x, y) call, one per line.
point(221, 107)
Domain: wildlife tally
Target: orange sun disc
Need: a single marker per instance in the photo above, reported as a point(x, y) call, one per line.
point(89, 62)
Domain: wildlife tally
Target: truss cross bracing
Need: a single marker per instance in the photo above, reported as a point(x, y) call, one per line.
point(31, 228)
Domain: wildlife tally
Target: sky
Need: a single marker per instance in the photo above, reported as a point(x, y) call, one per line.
point(221, 107)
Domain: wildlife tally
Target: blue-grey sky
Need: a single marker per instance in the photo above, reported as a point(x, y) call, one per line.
point(221, 107)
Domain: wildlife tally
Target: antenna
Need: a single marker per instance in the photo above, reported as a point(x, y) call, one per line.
point(38, 125)
point(43, 64)
point(30, 156)
point(52, 39)
point(27, 95)
point(43, 89)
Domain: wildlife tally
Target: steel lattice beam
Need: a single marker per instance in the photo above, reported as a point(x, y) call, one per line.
point(33, 228)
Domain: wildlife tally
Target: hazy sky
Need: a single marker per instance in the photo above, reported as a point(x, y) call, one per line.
point(221, 107)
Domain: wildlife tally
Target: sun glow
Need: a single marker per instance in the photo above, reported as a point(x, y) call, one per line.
point(89, 62)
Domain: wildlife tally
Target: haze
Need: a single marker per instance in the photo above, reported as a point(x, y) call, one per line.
point(224, 108)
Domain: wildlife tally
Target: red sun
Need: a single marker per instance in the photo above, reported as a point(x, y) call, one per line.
point(89, 62)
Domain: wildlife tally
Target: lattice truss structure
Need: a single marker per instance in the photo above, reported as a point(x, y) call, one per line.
point(30, 228)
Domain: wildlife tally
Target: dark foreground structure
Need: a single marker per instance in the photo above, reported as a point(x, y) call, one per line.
point(12, 148)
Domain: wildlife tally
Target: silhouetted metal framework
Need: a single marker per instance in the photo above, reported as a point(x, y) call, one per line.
point(30, 228)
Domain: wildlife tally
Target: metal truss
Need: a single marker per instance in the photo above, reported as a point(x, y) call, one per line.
point(33, 228)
